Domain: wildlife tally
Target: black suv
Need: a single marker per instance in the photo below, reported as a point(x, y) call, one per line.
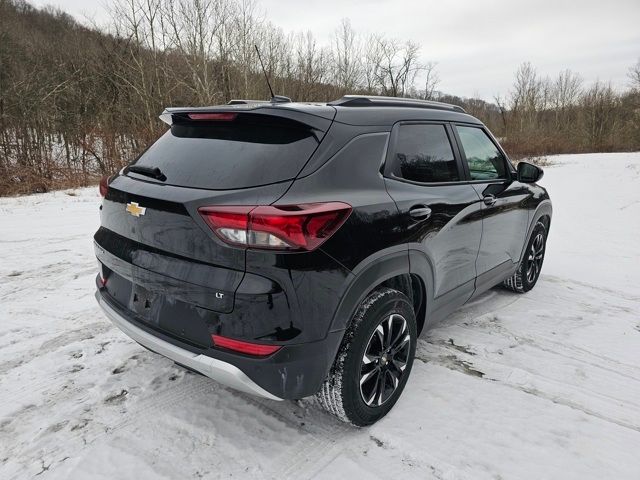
point(294, 249)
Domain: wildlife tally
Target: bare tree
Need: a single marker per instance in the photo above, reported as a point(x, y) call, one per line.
point(599, 119)
point(431, 81)
point(348, 63)
point(275, 52)
point(634, 75)
point(396, 66)
point(501, 103)
point(529, 96)
point(566, 89)
point(137, 21)
point(371, 60)
point(312, 65)
point(246, 25)
point(565, 92)
point(196, 26)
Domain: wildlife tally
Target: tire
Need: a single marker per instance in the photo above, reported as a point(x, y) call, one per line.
point(342, 393)
point(529, 269)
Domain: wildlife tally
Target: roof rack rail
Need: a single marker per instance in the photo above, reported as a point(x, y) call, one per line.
point(377, 101)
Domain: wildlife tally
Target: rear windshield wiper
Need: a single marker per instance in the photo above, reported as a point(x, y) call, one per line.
point(153, 172)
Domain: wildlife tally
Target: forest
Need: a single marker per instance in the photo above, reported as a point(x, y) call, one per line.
point(78, 102)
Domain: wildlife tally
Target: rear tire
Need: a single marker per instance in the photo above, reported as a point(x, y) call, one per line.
point(529, 269)
point(374, 360)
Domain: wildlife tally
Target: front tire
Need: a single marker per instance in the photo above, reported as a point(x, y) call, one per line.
point(529, 269)
point(374, 360)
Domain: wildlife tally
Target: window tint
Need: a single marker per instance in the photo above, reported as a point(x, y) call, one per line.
point(483, 157)
point(423, 154)
point(249, 151)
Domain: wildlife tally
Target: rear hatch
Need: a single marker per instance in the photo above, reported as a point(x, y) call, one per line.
point(160, 260)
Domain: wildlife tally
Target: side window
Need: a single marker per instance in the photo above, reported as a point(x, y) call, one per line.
point(423, 153)
point(483, 157)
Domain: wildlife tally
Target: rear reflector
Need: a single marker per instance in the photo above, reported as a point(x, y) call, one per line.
point(256, 349)
point(101, 276)
point(218, 117)
point(104, 186)
point(282, 227)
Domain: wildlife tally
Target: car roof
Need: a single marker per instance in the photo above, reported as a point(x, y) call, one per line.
point(351, 109)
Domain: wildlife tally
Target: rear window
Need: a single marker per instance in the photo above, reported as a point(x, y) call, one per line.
point(248, 151)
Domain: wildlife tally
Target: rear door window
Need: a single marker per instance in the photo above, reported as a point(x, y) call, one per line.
point(249, 151)
point(423, 153)
point(483, 157)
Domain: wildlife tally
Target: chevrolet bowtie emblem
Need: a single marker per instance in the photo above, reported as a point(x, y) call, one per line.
point(134, 209)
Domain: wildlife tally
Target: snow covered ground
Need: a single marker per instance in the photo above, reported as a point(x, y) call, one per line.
point(542, 385)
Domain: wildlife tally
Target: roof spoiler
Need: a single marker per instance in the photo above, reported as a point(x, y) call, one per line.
point(310, 117)
point(235, 105)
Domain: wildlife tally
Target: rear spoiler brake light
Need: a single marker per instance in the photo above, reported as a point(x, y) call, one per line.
point(169, 117)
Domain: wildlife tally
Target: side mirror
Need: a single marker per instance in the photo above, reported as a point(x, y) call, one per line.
point(529, 173)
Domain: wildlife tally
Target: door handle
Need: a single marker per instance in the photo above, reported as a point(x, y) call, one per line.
point(489, 200)
point(420, 211)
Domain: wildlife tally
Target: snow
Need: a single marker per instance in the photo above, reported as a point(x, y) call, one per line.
point(542, 385)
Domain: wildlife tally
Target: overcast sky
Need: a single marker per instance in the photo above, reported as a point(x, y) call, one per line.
point(477, 44)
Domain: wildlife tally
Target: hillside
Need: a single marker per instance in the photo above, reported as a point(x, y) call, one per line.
point(541, 385)
point(77, 103)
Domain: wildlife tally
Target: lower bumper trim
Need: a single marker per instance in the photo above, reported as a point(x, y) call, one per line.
point(223, 372)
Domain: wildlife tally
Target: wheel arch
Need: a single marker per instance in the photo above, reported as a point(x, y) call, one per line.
point(391, 270)
point(544, 213)
point(413, 287)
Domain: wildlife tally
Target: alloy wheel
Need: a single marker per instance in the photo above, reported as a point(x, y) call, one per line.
point(384, 360)
point(534, 259)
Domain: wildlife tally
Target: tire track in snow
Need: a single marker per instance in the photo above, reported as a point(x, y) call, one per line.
point(548, 345)
point(136, 414)
point(490, 374)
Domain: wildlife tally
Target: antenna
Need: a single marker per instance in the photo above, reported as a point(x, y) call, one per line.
point(266, 77)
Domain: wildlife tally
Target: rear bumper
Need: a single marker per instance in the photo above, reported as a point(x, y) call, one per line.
point(295, 371)
point(213, 368)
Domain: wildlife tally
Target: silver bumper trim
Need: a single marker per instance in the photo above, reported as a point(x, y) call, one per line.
point(213, 368)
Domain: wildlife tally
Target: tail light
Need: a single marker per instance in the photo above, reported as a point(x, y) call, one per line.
point(104, 186)
point(282, 227)
point(256, 349)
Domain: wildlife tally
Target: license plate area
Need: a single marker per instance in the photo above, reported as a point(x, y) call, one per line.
point(144, 303)
point(182, 320)
point(162, 311)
